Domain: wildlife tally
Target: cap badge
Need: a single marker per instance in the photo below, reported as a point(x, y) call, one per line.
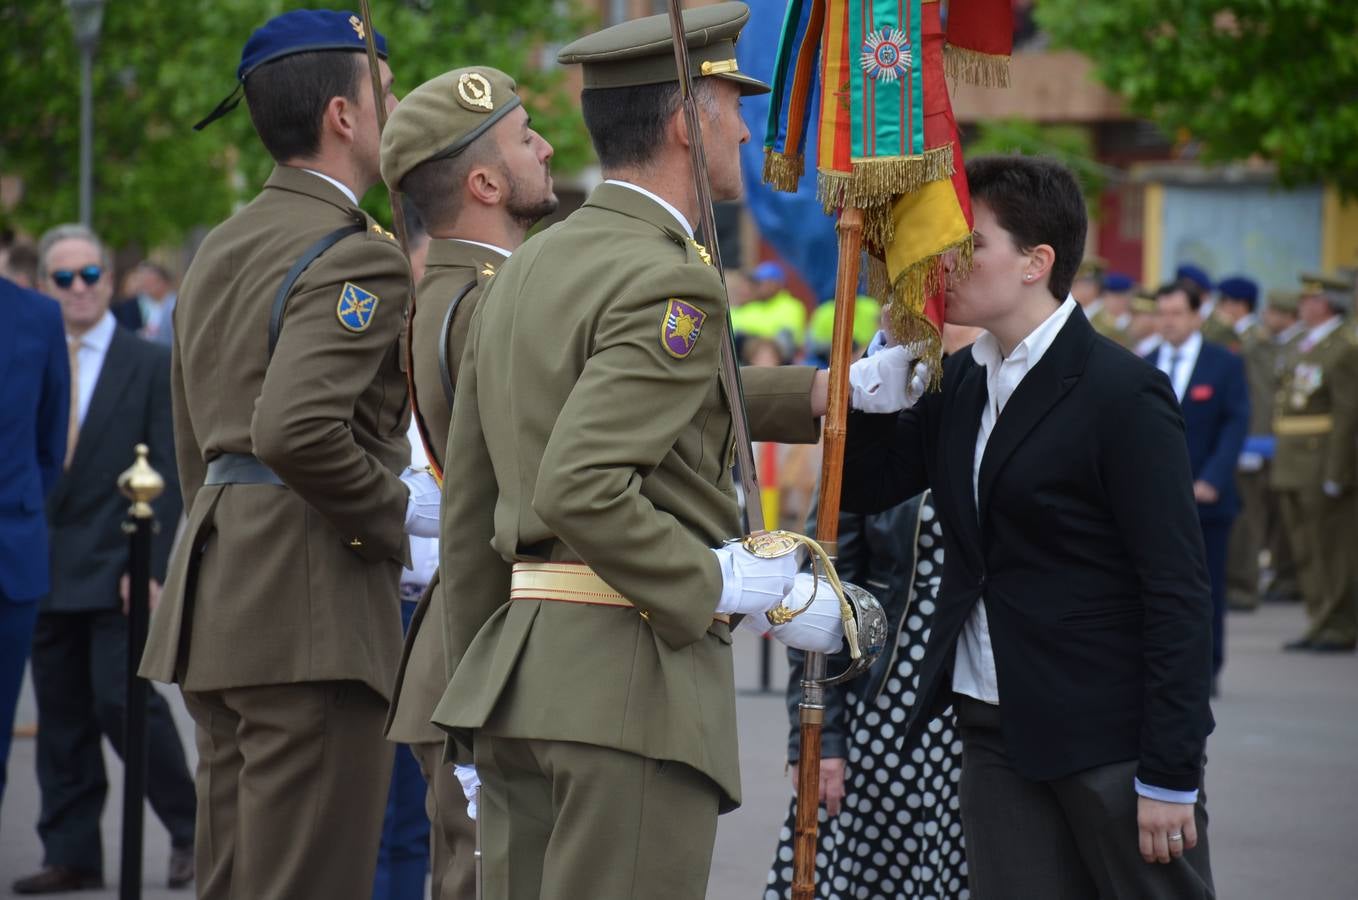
point(473, 92)
point(886, 54)
point(357, 25)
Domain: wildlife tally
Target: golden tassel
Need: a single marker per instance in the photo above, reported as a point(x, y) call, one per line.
point(984, 69)
point(783, 171)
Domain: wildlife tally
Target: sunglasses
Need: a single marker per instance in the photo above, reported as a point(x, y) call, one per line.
point(64, 278)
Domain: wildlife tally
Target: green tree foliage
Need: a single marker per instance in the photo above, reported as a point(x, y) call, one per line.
point(1070, 144)
point(1272, 78)
point(163, 64)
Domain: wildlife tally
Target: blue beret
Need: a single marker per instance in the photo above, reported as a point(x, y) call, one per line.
point(1117, 283)
point(768, 270)
point(1190, 272)
point(1239, 288)
point(298, 31)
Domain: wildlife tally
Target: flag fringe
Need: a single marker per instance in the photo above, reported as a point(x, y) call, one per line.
point(984, 69)
point(783, 171)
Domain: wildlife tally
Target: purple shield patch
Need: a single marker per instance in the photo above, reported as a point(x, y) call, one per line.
point(680, 329)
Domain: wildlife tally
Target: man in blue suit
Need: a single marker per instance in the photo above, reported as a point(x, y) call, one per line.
point(35, 396)
point(1210, 382)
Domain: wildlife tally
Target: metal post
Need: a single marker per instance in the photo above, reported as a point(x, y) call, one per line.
point(141, 484)
point(86, 137)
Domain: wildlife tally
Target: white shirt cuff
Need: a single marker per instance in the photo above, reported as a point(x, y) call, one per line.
point(1164, 795)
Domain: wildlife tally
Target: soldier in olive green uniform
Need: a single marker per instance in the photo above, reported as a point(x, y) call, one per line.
point(280, 618)
point(461, 150)
point(1236, 304)
point(588, 483)
point(1316, 423)
point(1113, 317)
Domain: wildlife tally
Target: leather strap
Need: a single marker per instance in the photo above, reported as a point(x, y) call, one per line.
point(280, 300)
point(569, 583)
point(240, 468)
point(445, 369)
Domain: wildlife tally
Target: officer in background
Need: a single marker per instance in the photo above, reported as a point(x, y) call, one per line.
point(588, 498)
point(463, 151)
point(1088, 284)
point(1113, 318)
point(1316, 423)
point(280, 617)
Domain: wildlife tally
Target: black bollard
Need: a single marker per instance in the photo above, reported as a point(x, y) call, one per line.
point(141, 484)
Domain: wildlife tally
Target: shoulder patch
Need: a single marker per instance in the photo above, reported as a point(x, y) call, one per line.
point(680, 328)
point(356, 307)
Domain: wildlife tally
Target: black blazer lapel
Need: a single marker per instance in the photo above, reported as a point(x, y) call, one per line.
point(963, 421)
point(1040, 390)
point(119, 363)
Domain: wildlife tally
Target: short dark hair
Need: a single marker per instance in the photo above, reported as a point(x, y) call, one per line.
point(287, 98)
point(627, 124)
point(1038, 201)
point(1189, 288)
point(22, 258)
point(435, 186)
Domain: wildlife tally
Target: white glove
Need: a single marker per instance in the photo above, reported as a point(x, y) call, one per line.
point(752, 585)
point(422, 509)
point(818, 630)
point(877, 343)
point(884, 383)
point(1250, 462)
point(1332, 489)
point(471, 787)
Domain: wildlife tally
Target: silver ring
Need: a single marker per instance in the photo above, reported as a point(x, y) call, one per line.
point(1176, 837)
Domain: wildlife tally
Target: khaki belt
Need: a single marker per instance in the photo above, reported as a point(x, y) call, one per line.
point(569, 583)
point(1303, 425)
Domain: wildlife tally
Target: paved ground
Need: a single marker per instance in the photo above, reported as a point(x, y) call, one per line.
point(1282, 779)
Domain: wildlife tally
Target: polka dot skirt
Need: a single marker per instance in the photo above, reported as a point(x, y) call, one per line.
point(899, 833)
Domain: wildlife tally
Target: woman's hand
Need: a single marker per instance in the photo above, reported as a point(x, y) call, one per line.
point(831, 783)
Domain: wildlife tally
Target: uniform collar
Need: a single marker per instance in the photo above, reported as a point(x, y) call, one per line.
point(466, 254)
point(337, 183)
point(303, 181)
point(1324, 329)
point(667, 216)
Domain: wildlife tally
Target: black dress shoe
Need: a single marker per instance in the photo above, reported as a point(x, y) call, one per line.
point(1298, 644)
point(1332, 647)
point(58, 880)
point(181, 868)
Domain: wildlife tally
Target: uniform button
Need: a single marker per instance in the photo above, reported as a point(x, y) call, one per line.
point(355, 542)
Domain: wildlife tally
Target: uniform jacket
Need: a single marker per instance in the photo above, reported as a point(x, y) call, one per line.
point(1216, 410)
point(36, 382)
point(582, 432)
point(276, 585)
point(449, 267)
point(1323, 381)
point(1085, 547)
point(1260, 352)
point(130, 406)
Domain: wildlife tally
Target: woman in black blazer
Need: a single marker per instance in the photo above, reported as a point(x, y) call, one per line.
point(1073, 630)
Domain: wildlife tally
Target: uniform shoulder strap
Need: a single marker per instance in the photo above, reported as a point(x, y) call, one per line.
point(280, 300)
point(445, 370)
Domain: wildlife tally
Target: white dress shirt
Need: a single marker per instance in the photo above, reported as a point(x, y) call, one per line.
point(1320, 333)
point(339, 184)
point(974, 665)
point(1178, 362)
point(500, 250)
point(93, 347)
point(1245, 323)
point(669, 207)
point(1290, 332)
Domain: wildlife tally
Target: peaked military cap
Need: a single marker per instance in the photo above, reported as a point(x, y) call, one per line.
point(1117, 283)
point(442, 117)
point(642, 51)
point(297, 31)
point(1337, 289)
point(1238, 287)
point(1284, 301)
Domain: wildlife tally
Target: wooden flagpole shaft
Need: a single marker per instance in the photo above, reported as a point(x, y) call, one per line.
point(812, 708)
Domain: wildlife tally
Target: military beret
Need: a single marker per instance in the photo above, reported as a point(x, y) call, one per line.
point(1117, 283)
point(297, 31)
point(1237, 287)
point(1337, 289)
point(641, 51)
point(1284, 301)
point(1190, 272)
point(442, 117)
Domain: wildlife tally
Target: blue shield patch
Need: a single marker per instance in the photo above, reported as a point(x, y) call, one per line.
point(356, 307)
